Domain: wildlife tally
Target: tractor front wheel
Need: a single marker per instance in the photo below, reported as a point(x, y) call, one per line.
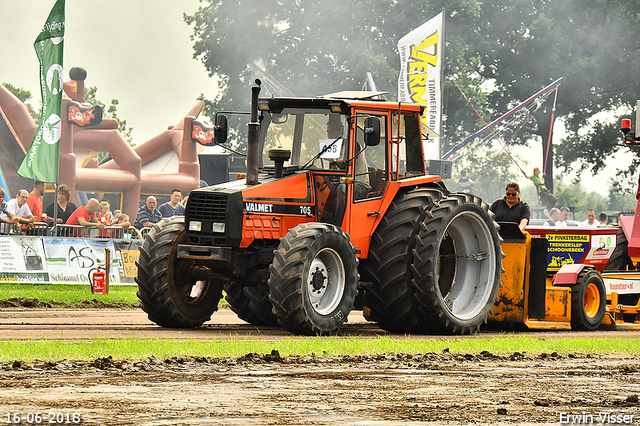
point(169, 296)
point(313, 280)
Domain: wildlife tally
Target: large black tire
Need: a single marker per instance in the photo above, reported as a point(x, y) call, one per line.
point(313, 280)
point(169, 297)
point(457, 265)
point(620, 260)
point(588, 299)
point(251, 304)
point(390, 300)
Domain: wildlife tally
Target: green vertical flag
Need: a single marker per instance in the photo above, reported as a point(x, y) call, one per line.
point(41, 162)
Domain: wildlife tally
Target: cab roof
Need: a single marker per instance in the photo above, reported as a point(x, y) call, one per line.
point(353, 99)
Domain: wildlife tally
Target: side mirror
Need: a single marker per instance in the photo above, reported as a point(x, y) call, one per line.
point(372, 131)
point(221, 129)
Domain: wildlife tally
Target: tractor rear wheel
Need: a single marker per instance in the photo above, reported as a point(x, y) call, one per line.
point(620, 261)
point(588, 299)
point(251, 303)
point(457, 265)
point(314, 278)
point(168, 295)
point(390, 300)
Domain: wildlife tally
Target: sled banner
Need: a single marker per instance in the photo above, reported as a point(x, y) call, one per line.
point(421, 58)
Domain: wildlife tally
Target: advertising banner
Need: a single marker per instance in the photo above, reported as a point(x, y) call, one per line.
point(421, 57)
point(70, 260)
point(22, 260)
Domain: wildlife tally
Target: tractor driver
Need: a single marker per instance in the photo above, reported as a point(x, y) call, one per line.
point(362, 187)
point(511, 208)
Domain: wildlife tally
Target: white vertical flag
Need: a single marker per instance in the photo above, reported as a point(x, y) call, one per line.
point(421, 56)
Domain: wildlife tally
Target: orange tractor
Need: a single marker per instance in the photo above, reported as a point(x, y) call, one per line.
point(336, 211)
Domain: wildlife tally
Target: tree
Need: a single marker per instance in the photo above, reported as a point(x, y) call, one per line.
point(498, 54)
point(24, 96)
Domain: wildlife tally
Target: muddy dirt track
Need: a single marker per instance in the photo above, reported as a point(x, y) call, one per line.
point(392, 389)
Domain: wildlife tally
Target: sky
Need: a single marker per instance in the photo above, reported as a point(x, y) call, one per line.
point(136, 51)
point(140, 53)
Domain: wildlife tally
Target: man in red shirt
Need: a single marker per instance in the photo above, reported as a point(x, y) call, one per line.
point(35, 202)
point(86, 216)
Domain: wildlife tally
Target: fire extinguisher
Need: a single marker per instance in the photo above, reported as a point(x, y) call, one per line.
point(97, 280)
point(99, 276)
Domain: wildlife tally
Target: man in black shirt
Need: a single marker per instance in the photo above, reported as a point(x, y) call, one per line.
point(511, 208)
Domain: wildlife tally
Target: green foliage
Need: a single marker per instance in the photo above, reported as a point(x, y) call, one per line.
point(25, 96)
point(516, 46)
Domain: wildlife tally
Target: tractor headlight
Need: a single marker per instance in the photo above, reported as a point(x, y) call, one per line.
point(217, 227)
point(195, 225)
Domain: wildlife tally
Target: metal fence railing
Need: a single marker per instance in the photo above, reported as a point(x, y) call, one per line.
point(109, 232)
point(35, 229)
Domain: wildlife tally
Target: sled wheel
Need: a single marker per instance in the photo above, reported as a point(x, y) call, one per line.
point(588, 299)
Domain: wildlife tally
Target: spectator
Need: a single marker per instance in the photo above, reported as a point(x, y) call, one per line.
point(35, 200)
point(554, 216)
point(17, 209)
point(86, 215)
point(564, 215)
point(122, 220)
point(465, 182)
point(4, 229)
point(105, 215)
point(116, 213)
point(546, 197)
point(511, 208)
point(147, 214)
point(603, 219)
point(591, 221)
point(65, 207)
point(172, 207)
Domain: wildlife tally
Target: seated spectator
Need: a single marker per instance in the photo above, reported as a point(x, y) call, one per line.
point(147, 214)
point(18, 211)
point(64, 206)
point(86, 216)
point(172, 207)
point(511, 208)
point(105, 215)
point(591, 221)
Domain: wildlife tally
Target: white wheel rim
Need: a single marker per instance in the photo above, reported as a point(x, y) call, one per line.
point(325, 281)
point(475, 272)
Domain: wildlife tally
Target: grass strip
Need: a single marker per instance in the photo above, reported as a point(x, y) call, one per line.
point(136, 349)
point(68, 293)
